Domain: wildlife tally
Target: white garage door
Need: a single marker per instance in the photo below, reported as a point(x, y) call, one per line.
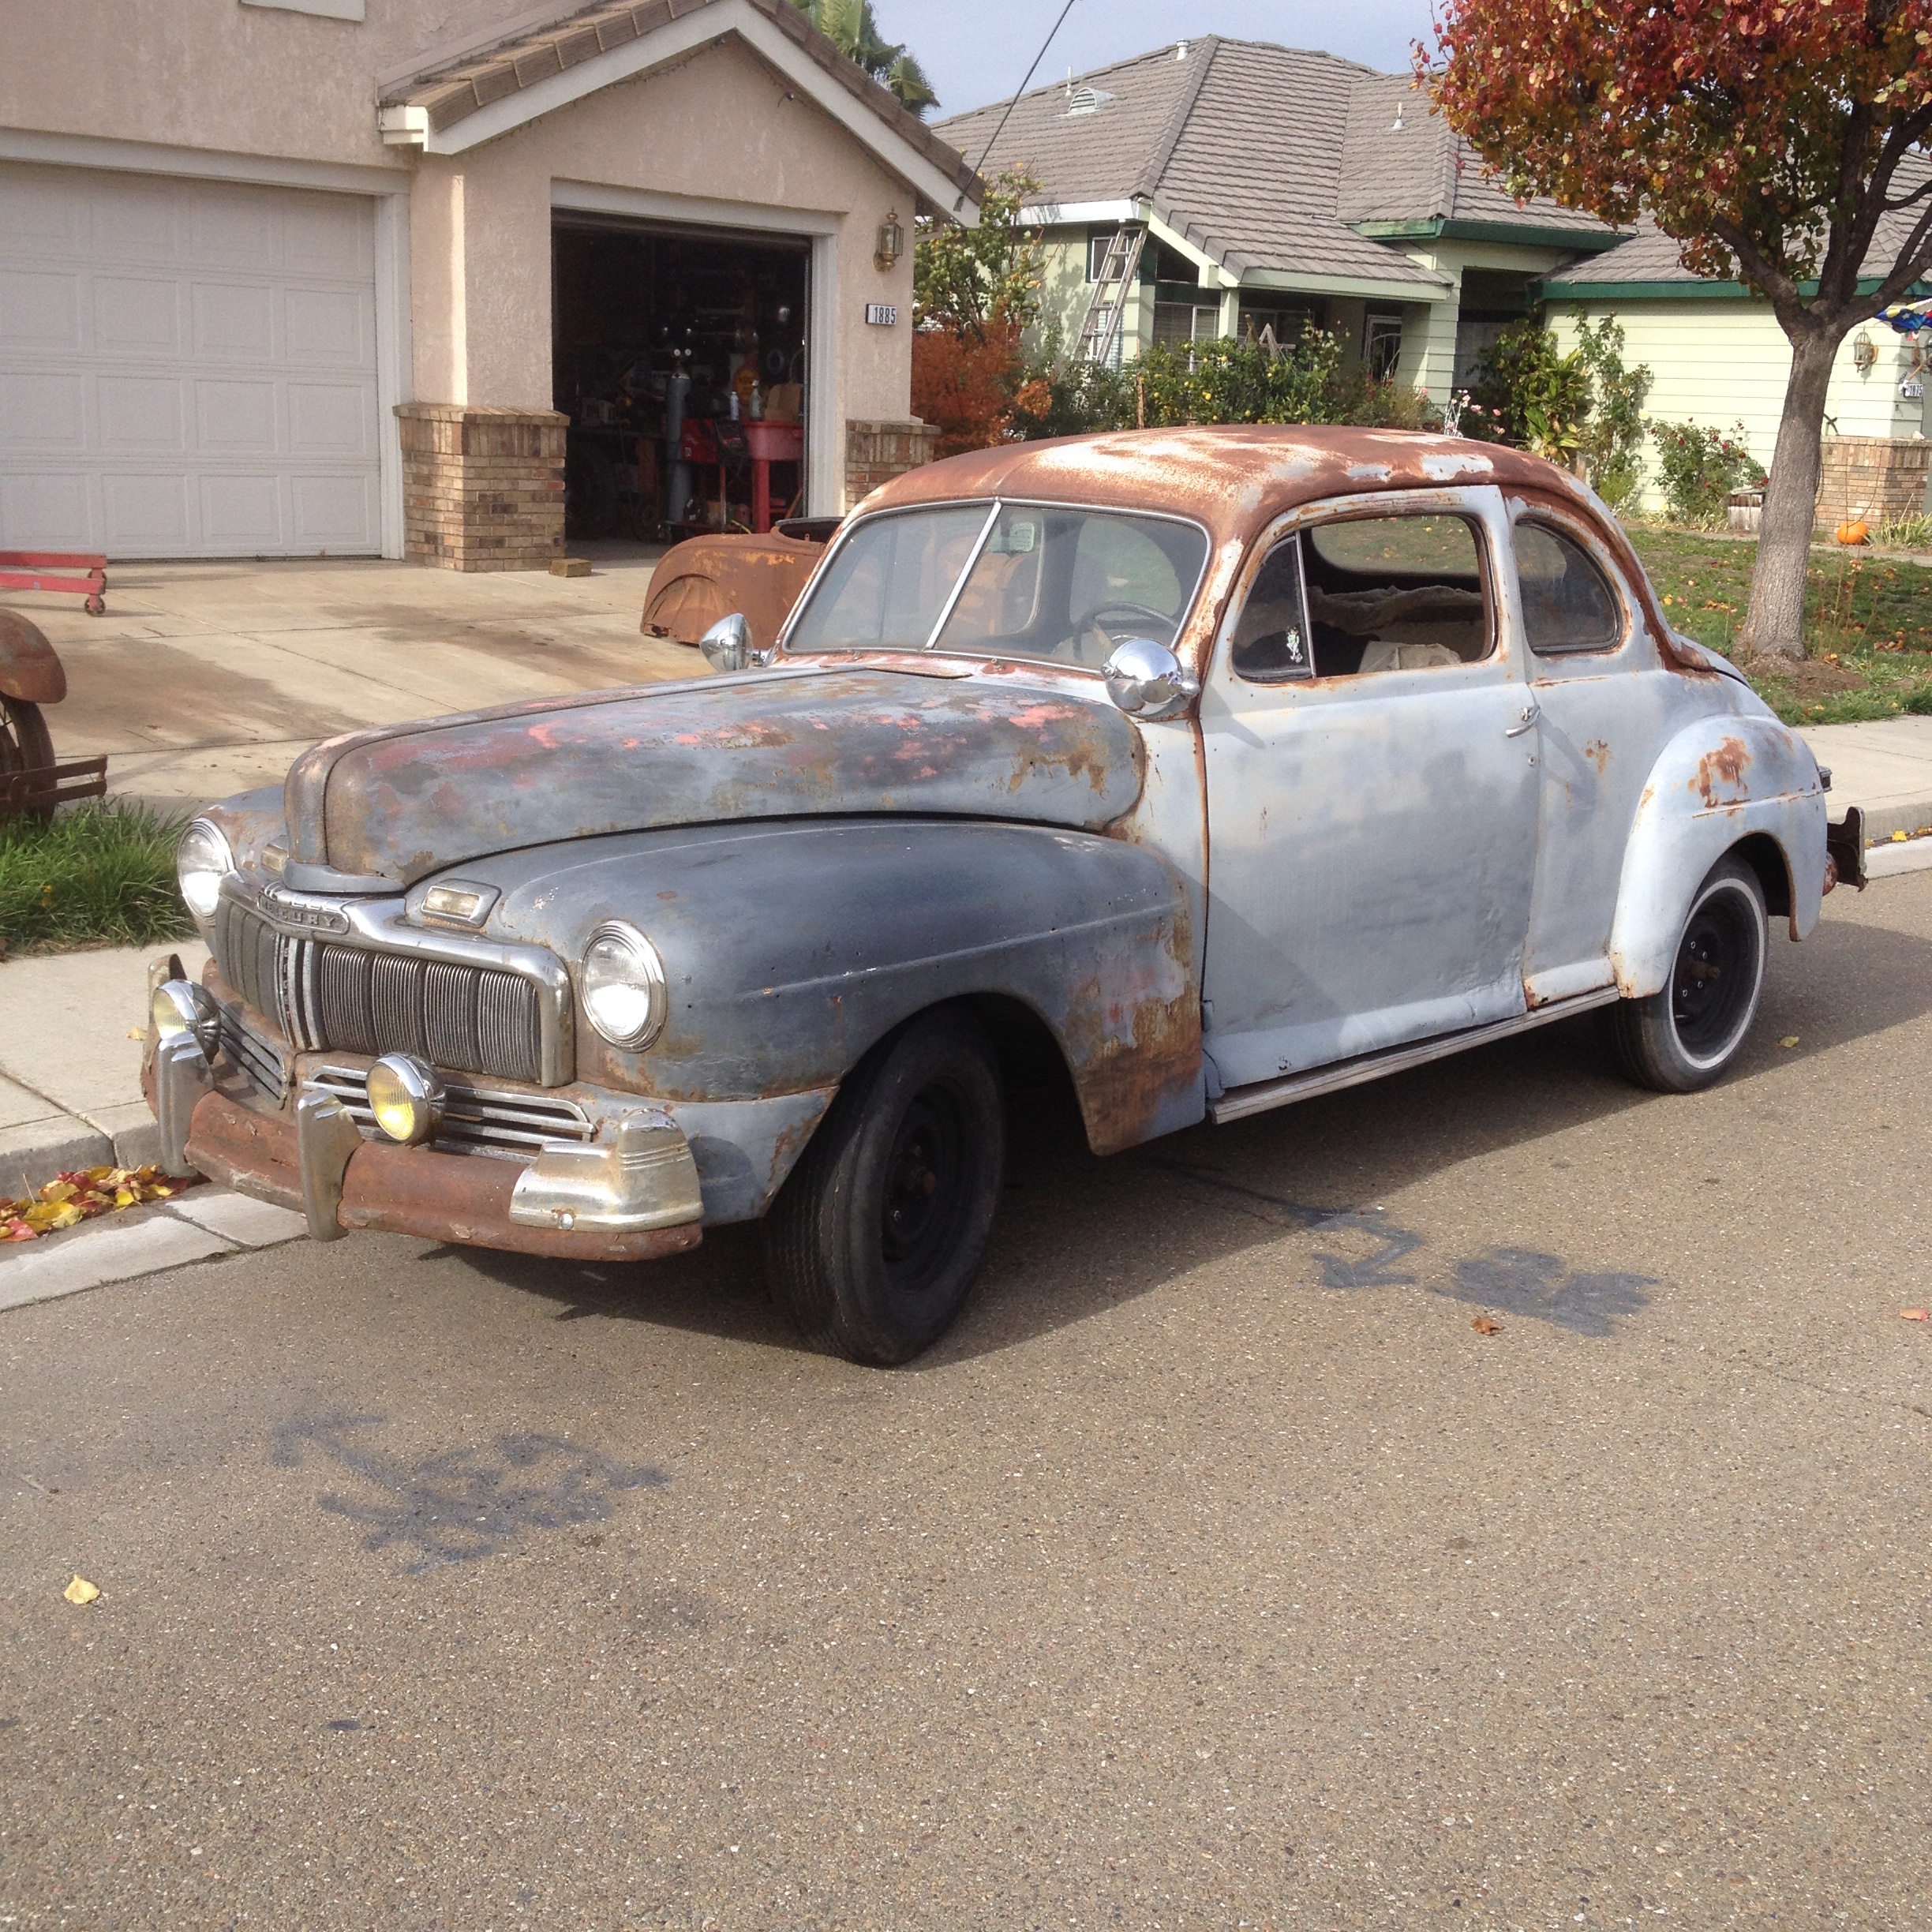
point(187, 368)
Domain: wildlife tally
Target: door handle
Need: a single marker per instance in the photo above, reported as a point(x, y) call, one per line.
point(1532, 711)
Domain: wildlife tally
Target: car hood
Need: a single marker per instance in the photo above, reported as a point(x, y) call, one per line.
point(403, 802)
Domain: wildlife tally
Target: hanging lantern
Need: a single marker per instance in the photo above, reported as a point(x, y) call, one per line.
point(891, 242)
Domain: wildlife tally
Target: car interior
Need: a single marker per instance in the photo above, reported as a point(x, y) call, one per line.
point(1382, 593)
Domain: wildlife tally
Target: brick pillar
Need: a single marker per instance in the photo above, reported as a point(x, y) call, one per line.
point(1878, 479)
point(876, 452)
point(482, 487)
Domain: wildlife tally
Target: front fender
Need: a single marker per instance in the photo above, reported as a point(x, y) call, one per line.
point(29, 669)
point(1719, 781)
point(792, 947)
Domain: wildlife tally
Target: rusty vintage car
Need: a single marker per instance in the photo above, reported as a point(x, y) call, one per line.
point(1209, 769)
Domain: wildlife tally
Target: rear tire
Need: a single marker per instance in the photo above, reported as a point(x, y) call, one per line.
point(882, 1227)
point(1685, 1037)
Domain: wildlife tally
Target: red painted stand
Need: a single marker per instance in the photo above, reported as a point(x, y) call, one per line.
point(29, 570)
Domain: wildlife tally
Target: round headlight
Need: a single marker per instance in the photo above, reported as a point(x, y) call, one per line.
point(625, 994)
point(406, 1095)
point(202, 861)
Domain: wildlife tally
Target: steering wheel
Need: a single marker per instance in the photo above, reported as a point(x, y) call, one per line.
point(1099, 615)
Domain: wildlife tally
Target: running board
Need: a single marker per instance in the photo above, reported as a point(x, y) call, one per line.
point(1238, 1102)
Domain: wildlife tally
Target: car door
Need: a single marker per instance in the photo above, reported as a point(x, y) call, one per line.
point(1605, 706)
point(1372, 787)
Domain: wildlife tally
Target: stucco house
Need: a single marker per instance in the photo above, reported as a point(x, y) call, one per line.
point(1278, 186)
point(1718, 357)
point(285, 277)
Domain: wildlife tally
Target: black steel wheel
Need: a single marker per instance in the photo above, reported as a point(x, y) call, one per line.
point(880, 1229)
point(1683, 1037)
point(25, 744)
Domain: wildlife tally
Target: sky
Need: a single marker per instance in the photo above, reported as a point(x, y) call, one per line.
point(976, 52)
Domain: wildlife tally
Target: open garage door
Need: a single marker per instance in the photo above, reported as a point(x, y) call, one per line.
point(187, 368)
point(679, 356)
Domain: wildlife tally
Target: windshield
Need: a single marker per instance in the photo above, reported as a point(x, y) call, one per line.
point(1004, 580)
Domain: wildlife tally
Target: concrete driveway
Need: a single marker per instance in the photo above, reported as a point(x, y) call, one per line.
point(1217, 1572)
point(204, 679)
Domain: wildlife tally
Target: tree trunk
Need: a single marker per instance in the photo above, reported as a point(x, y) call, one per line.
point(1774, 623)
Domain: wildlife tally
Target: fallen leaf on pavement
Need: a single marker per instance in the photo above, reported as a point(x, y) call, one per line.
point(138, 1033)
point(80, 1196)
point(1913, 1315)
point(79, 1591)
point(1483, 1325)
point(1789, 1040)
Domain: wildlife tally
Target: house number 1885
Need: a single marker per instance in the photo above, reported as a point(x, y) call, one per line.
point(881, 315)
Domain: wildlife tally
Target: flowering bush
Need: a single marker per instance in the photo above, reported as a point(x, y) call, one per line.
point(1530, 393)
point(1700, 467)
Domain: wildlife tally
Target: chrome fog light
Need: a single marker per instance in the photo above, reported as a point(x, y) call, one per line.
point(406, 1095)
point(202, 860)
point(179, 1007)
point(626, 995)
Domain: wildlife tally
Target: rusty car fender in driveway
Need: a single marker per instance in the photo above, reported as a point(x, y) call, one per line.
point(29, 669)
point(1724, 782)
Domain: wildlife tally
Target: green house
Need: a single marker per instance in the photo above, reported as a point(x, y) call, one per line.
point(1217, 187)
point(1718, 357)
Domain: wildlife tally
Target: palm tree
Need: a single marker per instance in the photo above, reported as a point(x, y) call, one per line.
point(849, 25)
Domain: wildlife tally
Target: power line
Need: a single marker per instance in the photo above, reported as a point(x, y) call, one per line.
point(959, 200)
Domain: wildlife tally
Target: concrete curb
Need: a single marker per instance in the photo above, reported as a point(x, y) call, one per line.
point(203, 1225)
point(1911, 818)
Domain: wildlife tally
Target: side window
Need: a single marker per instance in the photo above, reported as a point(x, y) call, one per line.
point(1271, 641)
point(1396, 593)
point(1568, 606)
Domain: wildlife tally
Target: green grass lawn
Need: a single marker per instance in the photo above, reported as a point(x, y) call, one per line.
point(100, 874)
point(1868, 623)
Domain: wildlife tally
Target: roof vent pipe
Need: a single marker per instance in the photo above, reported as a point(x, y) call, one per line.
point(1180, 50)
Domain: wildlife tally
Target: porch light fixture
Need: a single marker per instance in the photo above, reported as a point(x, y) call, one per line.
point(1864, 352)
point(891, 242)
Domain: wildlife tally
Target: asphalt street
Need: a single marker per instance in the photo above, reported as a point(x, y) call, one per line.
point(1218, 1571)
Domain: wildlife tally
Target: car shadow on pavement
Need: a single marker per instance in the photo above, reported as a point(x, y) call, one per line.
point(1079, 1235)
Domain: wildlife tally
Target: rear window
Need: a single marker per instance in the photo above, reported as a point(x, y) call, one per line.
point(1568, 604)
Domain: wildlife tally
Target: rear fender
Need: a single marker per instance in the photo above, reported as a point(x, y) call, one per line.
point(29, 670)
point(1720, 782)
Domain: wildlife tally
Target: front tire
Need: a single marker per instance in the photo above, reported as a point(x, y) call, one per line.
point(882, 1227)
point(25, 745)
point(1683, 1037)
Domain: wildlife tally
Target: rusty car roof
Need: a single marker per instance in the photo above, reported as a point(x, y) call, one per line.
point(1237, 478)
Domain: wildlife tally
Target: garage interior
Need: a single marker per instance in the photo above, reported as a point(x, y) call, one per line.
point(679, 355)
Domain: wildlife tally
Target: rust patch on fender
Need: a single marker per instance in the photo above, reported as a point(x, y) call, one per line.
point(1598, 753)
point(1134, 1045)
point(1719, 779)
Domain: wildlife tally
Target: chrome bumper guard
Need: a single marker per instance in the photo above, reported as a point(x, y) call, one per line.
point(643, 1178)
point(182, 1075)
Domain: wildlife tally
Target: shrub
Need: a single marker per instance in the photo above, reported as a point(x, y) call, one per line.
point(1700, 467)
point(1528, 393)
point(1613, 436)
point(1220, 381)
point(100, 874)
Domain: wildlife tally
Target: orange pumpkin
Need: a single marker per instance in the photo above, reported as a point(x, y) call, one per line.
point(1855, 532)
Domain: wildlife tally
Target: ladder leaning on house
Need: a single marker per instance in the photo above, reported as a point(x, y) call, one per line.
point(1100, 333)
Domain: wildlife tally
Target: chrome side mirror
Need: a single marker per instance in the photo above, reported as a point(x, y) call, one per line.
point(1148, 681)
point(727, 646)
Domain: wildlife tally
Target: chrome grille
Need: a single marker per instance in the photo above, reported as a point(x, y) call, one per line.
point(266, 1061)
point(474, 1120)
point(326, 993)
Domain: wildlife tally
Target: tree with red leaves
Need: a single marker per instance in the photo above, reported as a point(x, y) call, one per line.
point(1779, 142)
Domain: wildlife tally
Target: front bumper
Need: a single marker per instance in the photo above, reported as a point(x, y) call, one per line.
point(575, 1208)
